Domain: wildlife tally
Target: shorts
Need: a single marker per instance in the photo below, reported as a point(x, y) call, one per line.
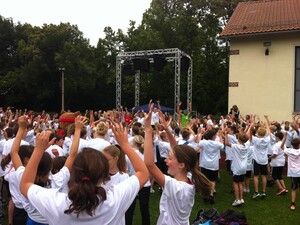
point(212, 175)
point(248, 174)
point(238, 178)
point(260, 169)
point(295, 183)
point(277, 172)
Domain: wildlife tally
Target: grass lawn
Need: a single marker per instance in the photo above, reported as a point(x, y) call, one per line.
point(273, 210)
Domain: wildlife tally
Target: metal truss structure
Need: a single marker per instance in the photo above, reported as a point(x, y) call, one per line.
point(171, 55)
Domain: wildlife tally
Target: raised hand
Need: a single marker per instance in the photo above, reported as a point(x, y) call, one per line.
point(23, 122)
point(42, 140)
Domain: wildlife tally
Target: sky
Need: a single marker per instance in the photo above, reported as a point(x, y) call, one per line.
point(91, 16)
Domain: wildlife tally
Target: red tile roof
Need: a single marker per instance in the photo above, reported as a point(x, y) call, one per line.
point(263, 17)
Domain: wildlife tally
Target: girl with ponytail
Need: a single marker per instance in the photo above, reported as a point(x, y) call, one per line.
point(87, 202)
point(179, 190)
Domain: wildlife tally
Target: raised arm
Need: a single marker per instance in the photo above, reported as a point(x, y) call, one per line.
point(283, 141)
point(268, 128)
point(268, 120)
point(22, 121)
point(121, 137)
point(42, 142)
point(79, 124)
point(227, 143)
point(190, 107)
point(163, 123)
point(149, 154)
point(149, 105)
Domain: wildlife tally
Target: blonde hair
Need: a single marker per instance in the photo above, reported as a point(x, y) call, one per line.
point(101, 128)
point(138, 140)
point(261, 132)
point(115, 151)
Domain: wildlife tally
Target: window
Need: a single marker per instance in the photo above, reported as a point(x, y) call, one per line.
point(297, 81)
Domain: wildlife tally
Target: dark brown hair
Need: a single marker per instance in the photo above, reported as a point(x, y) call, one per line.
point(89, 170)
point(43, 170)
point(187, 155)
point(58, 163)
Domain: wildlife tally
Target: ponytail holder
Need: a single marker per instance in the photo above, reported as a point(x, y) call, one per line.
point(86, 179)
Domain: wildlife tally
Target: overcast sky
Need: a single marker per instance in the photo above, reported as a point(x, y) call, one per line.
point(91, 16)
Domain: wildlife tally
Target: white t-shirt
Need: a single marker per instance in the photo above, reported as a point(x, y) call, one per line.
point(154, 118)
point(176, 202)
point(6, 151)
point(260, 154)
point(279, 160)
point(131, 170)
point(52, 204)
point(67, 145)
point(293, 162)
point(57, 148)
point(271, 144)
point(97, 143)
point(239, 158)
point(164, 148)
point(59, 182)
point(210, 154)
point(8, 144)
point(232, 140)
point(14, 189)
point(115, 179)
point(250, 158)
point(289, 138)
point(30, 137)
point(140, 119)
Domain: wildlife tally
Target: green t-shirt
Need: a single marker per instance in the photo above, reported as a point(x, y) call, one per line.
point(185, 119)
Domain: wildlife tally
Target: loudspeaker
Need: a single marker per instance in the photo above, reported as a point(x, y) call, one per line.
point(141, 64)
point(159, 62)
point(127, 69)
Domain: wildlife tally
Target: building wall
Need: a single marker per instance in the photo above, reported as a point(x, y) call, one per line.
point(265, 82)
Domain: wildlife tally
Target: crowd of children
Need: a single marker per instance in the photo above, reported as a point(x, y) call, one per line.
point(94, 170)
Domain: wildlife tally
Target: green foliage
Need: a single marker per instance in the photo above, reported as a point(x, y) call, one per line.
point(30, 58)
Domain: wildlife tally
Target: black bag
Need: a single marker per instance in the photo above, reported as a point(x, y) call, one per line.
point(232, 217)
point(205, 216)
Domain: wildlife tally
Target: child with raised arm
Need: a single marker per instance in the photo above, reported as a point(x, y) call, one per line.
point(260, 157)
point(239, 165)
point(179, 190)
point(58, 181)
point(87, 202)
point(209, 158)
point(277, 162)
point(293, 155)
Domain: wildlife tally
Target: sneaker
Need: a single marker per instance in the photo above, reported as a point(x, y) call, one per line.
point(286, 190)
point(236, 203)
point(280, 191)
point(152, 190)
point(255, 195)
point(242, 201)
point(263, 195)
point(293, 207)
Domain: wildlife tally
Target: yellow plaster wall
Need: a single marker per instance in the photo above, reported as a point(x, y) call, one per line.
point(265, 82)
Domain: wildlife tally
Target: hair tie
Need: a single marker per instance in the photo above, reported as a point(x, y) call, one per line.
point(86, 179)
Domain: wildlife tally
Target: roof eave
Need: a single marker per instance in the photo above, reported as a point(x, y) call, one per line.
point(258, 34)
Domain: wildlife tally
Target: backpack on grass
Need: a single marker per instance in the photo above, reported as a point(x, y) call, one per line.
point(231, 217)
point(206, 217)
